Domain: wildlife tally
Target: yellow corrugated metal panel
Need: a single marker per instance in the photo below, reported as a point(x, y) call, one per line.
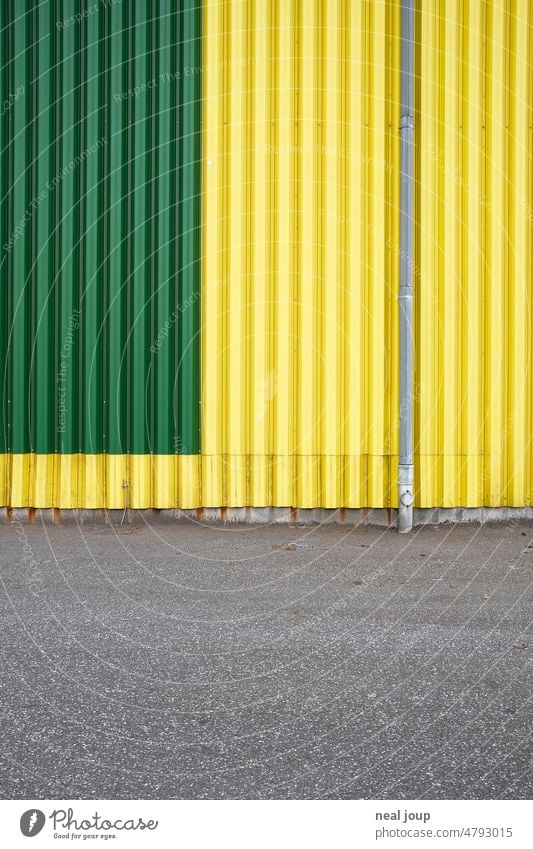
point(5, 479)
point(473, 295)
point(299, 253)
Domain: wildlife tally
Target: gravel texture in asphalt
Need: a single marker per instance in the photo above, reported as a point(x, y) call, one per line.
point(169, 660)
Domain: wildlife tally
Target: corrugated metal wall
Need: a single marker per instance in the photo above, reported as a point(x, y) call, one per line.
point(300, 270)
point(473, 267)
point(299, 253)
point(100, 214)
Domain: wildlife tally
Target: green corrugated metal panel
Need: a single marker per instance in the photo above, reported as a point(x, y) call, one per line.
point(99, 221)
point(42, 353)
point(189, 218)
point(3, 233)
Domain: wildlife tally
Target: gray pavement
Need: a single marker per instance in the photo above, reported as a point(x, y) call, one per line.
point(178, 661)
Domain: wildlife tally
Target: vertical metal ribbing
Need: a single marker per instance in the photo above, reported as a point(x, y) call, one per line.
point(406, 465)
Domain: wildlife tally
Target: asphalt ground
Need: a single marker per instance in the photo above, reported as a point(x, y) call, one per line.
point(178, 661)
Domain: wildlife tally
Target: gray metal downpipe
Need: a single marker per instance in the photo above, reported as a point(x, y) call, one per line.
point(407, 128)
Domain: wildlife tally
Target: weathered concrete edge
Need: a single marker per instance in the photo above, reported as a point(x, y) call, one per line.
point(385, 518)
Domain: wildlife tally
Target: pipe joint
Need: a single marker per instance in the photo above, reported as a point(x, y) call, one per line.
point(407, 122)
point(405, 497)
